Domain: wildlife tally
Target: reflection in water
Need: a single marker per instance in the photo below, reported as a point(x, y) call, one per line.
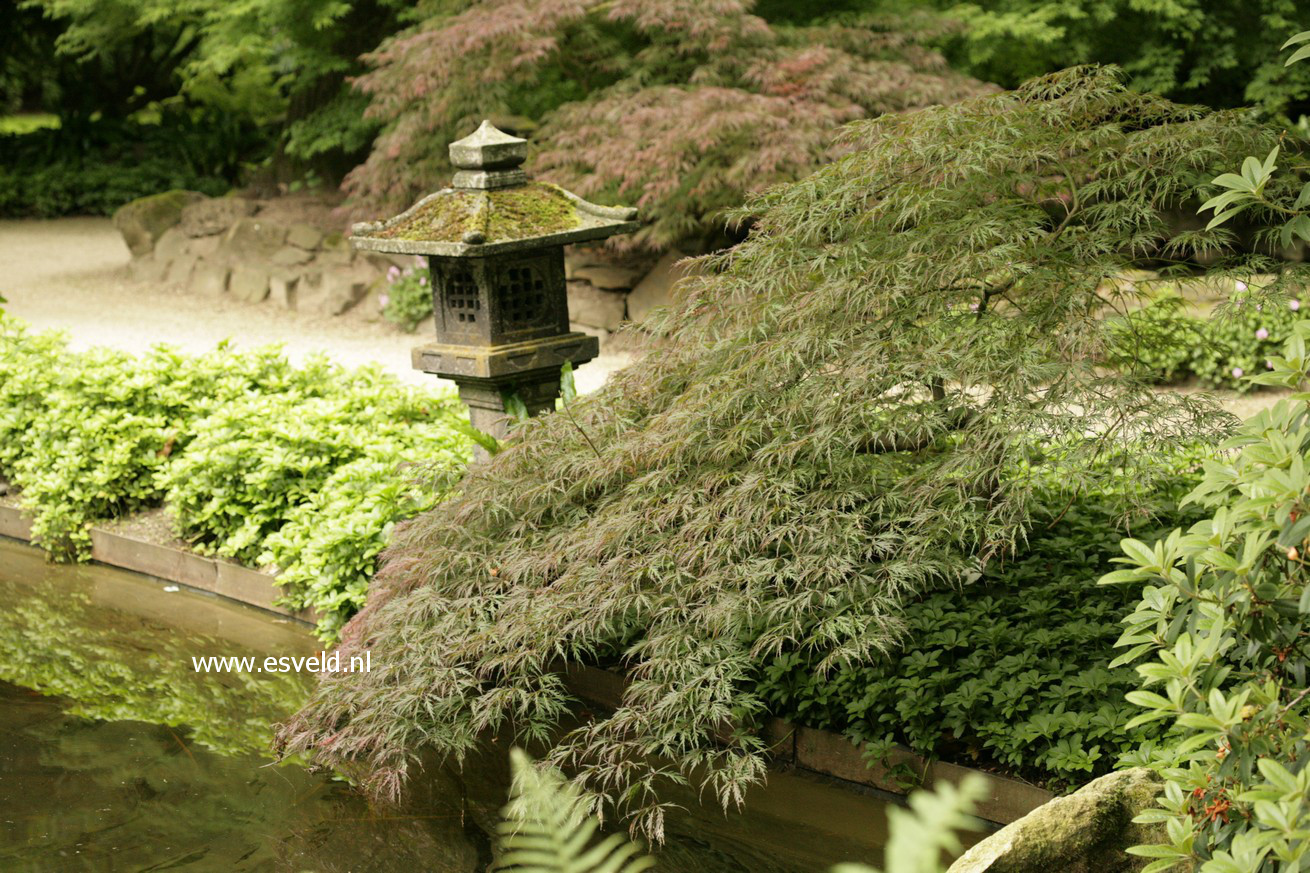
point(129, 760)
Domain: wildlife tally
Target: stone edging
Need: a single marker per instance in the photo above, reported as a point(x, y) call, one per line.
point(225, 579)
point(834, 756)
point(805, 749)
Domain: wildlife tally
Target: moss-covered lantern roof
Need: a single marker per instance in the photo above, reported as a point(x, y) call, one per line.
point(492, 207)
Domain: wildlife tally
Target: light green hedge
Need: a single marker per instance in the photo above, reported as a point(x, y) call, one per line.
point(305, 469)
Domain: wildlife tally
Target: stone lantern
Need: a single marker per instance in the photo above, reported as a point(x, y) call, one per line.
point(495, 241)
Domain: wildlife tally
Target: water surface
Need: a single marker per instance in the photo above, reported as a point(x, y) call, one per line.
point(116, 755)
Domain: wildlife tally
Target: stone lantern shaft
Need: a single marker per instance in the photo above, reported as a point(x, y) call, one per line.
point(494, 242)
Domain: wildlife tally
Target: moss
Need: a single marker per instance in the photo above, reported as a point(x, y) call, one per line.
point(531, 210)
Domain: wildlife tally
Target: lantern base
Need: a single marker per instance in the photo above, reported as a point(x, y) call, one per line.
point(511, 362)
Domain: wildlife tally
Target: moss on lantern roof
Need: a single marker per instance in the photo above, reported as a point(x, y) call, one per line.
point(468, 220)
point(535, 209)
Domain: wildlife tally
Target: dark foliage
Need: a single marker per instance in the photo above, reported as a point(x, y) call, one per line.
point(1013, 671)
point(95, 168)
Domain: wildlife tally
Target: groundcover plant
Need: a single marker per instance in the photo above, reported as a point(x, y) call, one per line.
point(848, 409)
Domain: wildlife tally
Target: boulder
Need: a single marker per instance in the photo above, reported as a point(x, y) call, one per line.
point(250, 240)
point(204, 246)
point(143, 221)
point(595, 308)
point(170, 245)
point(282, 291)
point(290, 256)
point(656, 289)
point(248, 284)
point(608, 276)
point(148, 268)
point(1085, 832)
point(212, 216)
point(343, 289)
point(210, 278)
point(180, 269)
point(304, 236)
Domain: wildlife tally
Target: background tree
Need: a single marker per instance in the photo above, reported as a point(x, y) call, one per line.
point(681, 107)
point(1204, 51)
point(834, 419)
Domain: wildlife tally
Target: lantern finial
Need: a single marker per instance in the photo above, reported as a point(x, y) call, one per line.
point(488, 158)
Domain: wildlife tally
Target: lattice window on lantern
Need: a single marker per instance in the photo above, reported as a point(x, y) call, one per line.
point(523, 295)
point(462, 296)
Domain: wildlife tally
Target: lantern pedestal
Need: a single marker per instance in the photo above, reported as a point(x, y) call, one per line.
point(487, 374)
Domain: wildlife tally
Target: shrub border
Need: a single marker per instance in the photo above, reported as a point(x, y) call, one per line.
point(798, 748)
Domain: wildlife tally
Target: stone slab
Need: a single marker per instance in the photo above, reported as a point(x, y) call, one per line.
point(248, 284)
point(833, 755)
point(14, 524)
point(656, 289)
point(209, 278)
point(594, 308)
point(304, 236)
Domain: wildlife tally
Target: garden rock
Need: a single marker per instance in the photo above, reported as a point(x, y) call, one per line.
point(170, 245)
point(282, 291)
point(250, 240)
point(212, 216)
point(607, 276)
point(180, 269)
point(656, 289)
point(203, 247)
point(148, 268)
point(210, 279)
point(343, 289)
point(290, 256)
point(592, 307)
point(248, 284)
point(143, 221)
point(304, 236)
point(1085, 832)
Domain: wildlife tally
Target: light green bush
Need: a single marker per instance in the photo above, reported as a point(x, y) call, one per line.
point(300, 468)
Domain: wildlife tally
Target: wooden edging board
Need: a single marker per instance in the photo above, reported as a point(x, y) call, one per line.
point(806, 749)
point(215, 576)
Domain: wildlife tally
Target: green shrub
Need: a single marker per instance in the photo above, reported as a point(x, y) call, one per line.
point(408, 298)
point(1157, 341)
point(1165, 344)
point(94, 169)
point(300, 468)
point(84, 435)
point(1222, 622)
point(1010, 670)
point(311, 479)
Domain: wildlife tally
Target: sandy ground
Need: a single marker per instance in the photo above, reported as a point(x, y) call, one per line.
point(71, 274)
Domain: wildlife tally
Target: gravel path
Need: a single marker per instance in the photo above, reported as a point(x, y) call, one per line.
point(71, 274)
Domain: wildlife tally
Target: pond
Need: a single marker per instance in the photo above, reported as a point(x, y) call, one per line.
point(116, 755)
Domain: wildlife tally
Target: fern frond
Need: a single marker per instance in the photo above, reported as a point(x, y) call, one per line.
point(547, 828)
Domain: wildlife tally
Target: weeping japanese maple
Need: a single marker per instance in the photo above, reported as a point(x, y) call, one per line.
point(841, 412)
